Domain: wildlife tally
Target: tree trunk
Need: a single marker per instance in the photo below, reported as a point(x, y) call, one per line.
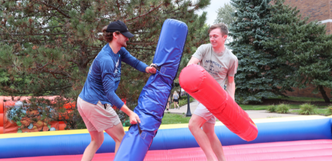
point(322, 91)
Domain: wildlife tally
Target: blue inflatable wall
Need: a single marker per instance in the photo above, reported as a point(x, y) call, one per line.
point(168, 137)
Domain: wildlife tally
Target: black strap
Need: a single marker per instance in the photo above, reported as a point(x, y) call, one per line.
point(105, 106)
point(139, 128)
point(155, 66)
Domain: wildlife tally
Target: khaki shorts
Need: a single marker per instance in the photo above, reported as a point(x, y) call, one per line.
point(203, 112)
point(96, 117)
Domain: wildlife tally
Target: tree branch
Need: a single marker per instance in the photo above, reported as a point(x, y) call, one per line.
point(64, 14)
point(34, 34)
point(153, 9)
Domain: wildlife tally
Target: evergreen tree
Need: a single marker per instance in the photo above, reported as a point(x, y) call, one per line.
point(51, 44)
point(259, 73)
point(303, 46)
point(46, 47)
point(11, 85)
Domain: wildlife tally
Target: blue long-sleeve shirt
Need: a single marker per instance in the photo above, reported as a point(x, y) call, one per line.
point(104, 76)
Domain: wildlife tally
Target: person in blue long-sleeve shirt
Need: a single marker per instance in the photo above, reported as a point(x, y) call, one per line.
point(98, 94)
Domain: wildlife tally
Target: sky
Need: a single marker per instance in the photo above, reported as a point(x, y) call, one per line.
point(212, 10)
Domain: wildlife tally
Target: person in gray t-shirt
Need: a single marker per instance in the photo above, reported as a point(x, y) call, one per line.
point(222, 66)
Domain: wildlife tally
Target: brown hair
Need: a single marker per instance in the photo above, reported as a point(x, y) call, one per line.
point(108, 36)
point(221, 26)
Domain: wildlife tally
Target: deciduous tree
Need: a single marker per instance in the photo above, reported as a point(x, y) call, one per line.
point(224, 14)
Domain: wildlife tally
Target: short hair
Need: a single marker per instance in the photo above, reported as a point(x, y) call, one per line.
point(108, 36)
point(223, 28)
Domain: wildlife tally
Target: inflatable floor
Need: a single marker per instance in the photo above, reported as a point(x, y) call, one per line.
point(300, 138)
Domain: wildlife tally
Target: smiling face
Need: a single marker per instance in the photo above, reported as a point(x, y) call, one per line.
point(121, 40)
point(217, 39)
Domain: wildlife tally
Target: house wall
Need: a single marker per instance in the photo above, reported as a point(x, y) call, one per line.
point(316, 10)
point(307, 92)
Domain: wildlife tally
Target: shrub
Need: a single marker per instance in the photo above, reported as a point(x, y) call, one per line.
point(329, 110)
point(307, 109)
point(272, 108)
point(282, 108)
point(37, 114)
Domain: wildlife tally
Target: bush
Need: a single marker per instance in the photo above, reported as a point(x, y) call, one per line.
point(37, 114)
point(307, 109)
point(282, 108)
point(329, 110)
point(272, 108)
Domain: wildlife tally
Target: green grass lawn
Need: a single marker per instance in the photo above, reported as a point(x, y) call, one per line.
point(170, 118)
point(304, 99)
point(264, 107)
point(320, 110)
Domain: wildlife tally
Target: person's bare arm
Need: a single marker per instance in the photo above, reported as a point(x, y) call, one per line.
point(193, 60)
point(231, 87)
point(133, 117)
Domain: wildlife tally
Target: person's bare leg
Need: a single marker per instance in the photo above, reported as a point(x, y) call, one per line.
point(97, 139)
point(116, 132)
point(195, 124)
point(208, 128)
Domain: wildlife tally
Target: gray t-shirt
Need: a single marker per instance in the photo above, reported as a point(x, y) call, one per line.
point(219, 65)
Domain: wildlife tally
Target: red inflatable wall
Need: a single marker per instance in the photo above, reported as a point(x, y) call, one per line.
point(195, 80)
point(1, 116)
